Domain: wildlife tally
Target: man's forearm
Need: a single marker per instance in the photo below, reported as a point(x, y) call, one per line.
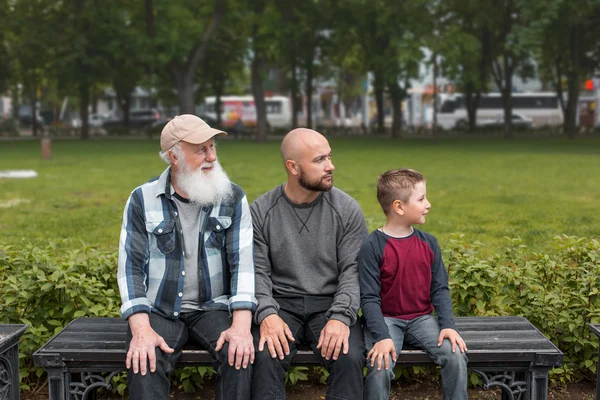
point(242, 319)
point(138, 322)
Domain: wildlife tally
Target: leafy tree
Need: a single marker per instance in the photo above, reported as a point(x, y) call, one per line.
point(32, 26)
point(465, 49)
point(391, 34)
point(126, 51)
point(6, 65)
point(224, 61)
point(81, 53)
point(180, 33)
point(566, 38)
point(508, 24)
point(259, 12)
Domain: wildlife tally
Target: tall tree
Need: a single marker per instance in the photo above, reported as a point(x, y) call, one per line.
point(467, 50)
point(180, 39)
point(80, 59)
point(391, 39)
point(508, 23)
point(33, 27)
point(566, 39)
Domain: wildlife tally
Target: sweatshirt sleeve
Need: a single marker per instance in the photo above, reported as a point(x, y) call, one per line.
point(347, 298)
point(440, 292)
point(369, 261)
point(267, 305)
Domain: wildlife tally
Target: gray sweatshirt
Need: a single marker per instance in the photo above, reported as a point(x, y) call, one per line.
point(308, 250)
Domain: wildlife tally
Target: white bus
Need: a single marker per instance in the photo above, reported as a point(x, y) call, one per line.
point(241, 108)
point(542, 108)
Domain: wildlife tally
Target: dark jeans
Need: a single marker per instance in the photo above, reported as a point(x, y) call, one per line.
point(306, 318)
point(204, 327)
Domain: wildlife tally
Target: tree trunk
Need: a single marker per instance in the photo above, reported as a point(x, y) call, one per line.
point(507, 98)
point(34, 111)
point(218, 88)
point(126, 105)
point(94, 101)
point(124, 100)
point(570, 123)
point(259, 97)
point(184, 81)
point(396, 96)
point(558, 88)
point(503, 77)
point(573, 82)
point(14, 94)
point(435, 95)
point(84, 102)
point(294, 92)
point(309, 88)
point(471, 104)
point(378, 89)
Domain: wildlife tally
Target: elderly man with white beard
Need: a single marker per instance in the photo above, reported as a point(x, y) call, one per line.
point(186, 267)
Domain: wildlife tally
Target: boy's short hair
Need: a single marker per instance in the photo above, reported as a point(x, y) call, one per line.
point(396, 184)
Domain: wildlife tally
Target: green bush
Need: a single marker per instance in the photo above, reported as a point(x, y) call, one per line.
point(49, 286)
point(557, 292)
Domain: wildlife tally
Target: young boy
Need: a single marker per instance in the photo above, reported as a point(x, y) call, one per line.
point(402, 281)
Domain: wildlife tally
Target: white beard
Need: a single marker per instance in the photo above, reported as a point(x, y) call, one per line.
point(204, 188)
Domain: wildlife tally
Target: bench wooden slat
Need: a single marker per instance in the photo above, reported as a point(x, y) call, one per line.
point(488, 338)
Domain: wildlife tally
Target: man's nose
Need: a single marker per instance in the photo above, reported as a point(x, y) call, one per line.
point(211, 155)
point(330, 166)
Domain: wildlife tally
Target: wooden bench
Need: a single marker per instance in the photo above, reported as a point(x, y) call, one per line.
point(507, 352)
point(596, 330)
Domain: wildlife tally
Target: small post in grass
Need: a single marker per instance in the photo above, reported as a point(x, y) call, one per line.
point(46, 146)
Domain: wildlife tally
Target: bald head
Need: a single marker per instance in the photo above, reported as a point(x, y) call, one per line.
point(299, 141)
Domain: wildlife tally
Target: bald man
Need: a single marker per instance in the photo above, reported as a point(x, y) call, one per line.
point(306, 239)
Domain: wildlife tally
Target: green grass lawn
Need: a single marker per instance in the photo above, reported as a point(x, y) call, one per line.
point(486, 189)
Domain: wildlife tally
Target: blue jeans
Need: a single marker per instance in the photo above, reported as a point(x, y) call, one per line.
point(421, 332)
point(204, 328)
point(306, 318)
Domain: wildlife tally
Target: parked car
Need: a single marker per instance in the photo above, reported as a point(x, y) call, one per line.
point(94, 121)
point(138, 119)
point(518, 121)
point(25, 118)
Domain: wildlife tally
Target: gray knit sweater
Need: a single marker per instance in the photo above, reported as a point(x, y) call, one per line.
point(308, 249)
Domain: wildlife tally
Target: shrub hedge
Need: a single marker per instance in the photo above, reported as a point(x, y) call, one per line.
point(49, 285)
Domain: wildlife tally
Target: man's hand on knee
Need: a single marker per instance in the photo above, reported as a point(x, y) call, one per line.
point(275, 333)
point(333, 339)
point(241, 346)
point(142, 348)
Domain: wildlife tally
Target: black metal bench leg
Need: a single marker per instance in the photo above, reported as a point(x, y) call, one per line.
point(538, 384)
point(58, 384)
point(598, 378)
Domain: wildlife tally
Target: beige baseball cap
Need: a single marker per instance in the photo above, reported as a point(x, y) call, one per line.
point(187, 128)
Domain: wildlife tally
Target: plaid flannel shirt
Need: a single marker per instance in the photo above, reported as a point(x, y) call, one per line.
point(151, 268)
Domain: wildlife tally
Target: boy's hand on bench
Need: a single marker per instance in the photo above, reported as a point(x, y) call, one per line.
point(381, 350)
point(275, 333)
point(454, 339)
point(333, 338)
point(143, 344)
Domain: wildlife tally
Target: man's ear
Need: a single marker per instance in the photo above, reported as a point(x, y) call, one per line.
point(292, 167)
point(398, 207)
point(173, 157)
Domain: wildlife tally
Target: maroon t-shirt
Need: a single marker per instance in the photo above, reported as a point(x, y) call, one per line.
point(402, 278)
point(405, 275)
